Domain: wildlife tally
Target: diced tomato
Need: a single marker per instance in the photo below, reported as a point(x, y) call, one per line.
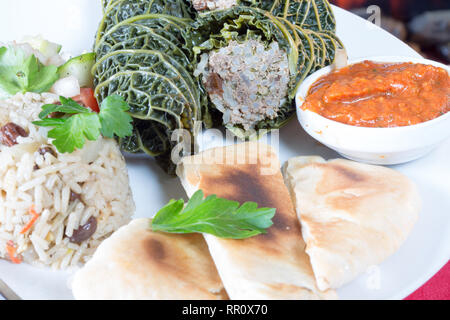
point(87, 99)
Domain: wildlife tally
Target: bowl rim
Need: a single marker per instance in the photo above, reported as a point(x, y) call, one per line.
point(303, 90)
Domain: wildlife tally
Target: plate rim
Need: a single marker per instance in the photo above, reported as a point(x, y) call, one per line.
point(408, 289)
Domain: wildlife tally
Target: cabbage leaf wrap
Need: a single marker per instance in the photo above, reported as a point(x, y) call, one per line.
point(307, 50)
point(315, 15)
point(143, 55)
point(147, 52)
point(116, 11)
point(158, 89)
point(153, 32)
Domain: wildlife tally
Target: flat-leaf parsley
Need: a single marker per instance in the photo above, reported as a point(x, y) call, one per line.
point(19, 73)
point(220, 217)
point(75, 123)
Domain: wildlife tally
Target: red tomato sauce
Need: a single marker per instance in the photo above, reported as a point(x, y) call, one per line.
point(370, 94)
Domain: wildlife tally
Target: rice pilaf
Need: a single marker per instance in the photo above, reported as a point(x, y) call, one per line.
point(55, 208)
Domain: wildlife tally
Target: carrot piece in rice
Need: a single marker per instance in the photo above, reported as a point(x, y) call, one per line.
point(32, 221)
point(11, 249)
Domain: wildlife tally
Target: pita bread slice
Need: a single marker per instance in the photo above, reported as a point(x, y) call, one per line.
point(353, 215)
point(268, 266)
point(138, 264)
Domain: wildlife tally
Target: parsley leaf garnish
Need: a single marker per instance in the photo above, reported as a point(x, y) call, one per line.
point(19, 73)
point(73, 132)
point(220, 217)
point(66, 106)
point(114, 118)
point(77, 123)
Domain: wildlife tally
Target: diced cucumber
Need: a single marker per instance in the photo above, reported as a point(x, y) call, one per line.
point(79, 67)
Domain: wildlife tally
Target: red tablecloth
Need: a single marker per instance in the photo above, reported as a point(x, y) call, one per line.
point(437, 288)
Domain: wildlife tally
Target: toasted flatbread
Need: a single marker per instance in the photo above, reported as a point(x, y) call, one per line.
point(267, 266)
point(353, 215)
point(138, 264)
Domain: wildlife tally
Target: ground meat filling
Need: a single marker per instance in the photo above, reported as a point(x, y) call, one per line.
point(201, 5)
point(247, 82)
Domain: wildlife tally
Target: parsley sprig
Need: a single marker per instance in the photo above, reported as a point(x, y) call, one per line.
point(19, 73)
point(77, 123)
point(220, 217)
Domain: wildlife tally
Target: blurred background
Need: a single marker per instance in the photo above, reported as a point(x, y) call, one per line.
point(423, 24)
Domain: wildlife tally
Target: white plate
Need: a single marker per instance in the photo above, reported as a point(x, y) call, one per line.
point(73, 23)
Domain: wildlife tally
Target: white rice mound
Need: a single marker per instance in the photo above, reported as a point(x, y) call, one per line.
point(97, 173)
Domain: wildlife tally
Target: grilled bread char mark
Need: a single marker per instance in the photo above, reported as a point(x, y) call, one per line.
point(268, 266)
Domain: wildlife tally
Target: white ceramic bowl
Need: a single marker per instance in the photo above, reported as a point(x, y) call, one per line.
point(385, 146)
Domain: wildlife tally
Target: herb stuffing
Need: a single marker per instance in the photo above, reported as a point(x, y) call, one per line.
point(76, 123)
point(20, 74)
point(220, 217)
